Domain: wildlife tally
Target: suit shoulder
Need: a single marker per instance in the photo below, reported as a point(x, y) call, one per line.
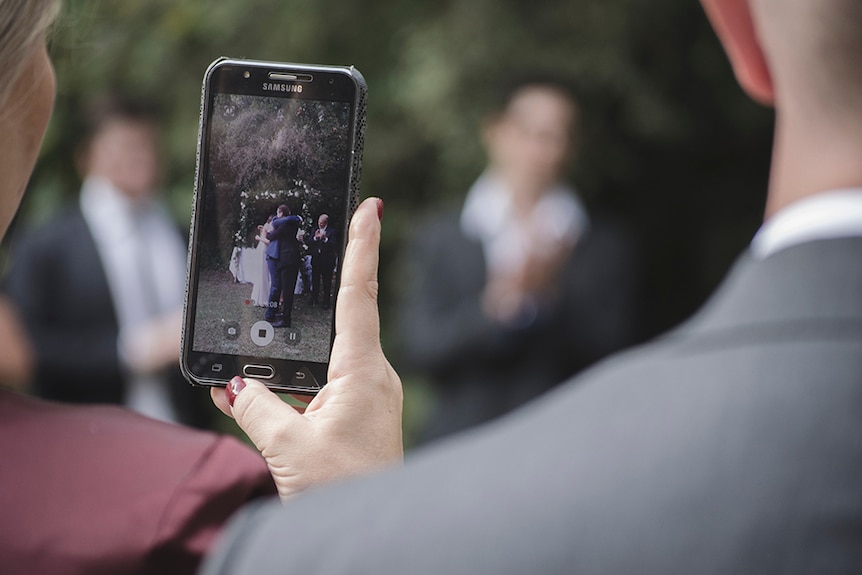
point(62, 228)
point(441, 227)
point(608, 230)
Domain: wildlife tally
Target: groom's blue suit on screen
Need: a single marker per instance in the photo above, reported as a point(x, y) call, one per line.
point(282, 260)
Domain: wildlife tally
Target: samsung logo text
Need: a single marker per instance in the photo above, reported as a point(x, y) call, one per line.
point(270, 87)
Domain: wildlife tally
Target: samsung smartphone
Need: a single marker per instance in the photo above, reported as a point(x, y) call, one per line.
point(279, 158)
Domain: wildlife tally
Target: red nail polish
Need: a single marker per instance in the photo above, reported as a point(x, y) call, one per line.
point(379, 209)
point(233, 388)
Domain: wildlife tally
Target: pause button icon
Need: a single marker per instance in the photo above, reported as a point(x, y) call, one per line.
point(293, 337)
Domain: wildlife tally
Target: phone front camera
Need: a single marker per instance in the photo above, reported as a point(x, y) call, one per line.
point(331, 81)
point(246, 74)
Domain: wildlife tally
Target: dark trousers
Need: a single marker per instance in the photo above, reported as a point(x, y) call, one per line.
point(321, 269)
point(282, 279)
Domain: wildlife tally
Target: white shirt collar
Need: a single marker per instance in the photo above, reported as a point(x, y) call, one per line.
point(828, 215)
point(101, 200)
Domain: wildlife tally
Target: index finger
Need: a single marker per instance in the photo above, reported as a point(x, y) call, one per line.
point(356, 317)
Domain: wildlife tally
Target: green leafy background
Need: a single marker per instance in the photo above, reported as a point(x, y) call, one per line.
point(670, 144)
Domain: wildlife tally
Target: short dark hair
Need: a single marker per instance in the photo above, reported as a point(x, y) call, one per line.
point(514, 84)
point(284, 209)
point(115, 106)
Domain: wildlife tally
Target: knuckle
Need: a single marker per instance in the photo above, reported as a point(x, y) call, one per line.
point(368, 289)
point(249, 411)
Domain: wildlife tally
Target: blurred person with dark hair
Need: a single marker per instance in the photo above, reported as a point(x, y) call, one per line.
point(91, 489)
point(100, 285)
point(523, 288)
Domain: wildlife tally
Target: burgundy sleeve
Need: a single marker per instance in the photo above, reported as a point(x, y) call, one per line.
point(226, 476)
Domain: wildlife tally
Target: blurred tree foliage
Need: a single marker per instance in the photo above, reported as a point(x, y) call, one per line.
point(313, 142)
point(303, 161)
point(670, 143)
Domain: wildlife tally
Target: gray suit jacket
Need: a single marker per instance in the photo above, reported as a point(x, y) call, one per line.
point(732, 445)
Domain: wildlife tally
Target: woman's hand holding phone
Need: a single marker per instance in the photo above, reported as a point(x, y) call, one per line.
point(354, 424)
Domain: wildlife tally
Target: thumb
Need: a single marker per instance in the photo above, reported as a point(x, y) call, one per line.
point(262, 415)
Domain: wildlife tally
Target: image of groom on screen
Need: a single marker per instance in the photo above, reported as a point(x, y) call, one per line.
point(323, 244)
point(282, 261)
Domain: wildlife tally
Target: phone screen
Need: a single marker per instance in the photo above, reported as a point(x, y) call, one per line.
point(276, 187)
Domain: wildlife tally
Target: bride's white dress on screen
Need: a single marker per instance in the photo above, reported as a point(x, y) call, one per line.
point(256, 271)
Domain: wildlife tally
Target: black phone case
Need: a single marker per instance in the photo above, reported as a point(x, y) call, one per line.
point(360, 123)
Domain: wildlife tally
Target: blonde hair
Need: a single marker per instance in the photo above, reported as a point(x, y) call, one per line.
point(23, 23)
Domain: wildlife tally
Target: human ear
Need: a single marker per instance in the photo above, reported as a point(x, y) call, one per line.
point(734, 25)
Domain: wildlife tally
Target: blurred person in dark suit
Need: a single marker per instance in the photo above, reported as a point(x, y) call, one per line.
point(322, 248)
point(100, 285)
point(522, 288)
point(92, 489)
point(730, 445)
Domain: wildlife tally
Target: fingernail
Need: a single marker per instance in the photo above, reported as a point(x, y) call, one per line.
point(233, 388)
point(379, 209)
